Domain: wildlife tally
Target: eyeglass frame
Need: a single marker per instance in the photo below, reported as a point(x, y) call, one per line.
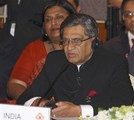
point(70, 40)
point(128, 15)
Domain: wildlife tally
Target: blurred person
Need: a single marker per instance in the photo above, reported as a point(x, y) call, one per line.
point(23, 25)
point(33, 56)
point(24, 21)
point(79, 77)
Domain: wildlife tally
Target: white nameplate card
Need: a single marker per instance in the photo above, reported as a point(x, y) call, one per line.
point(18, 112)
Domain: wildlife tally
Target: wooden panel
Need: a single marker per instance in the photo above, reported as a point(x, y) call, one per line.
point(102, 31)
point(1, 23)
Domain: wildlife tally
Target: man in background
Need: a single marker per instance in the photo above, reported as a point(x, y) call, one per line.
point(123, 44)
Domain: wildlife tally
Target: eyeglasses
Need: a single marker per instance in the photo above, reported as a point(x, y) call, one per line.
point(75, 41)
point(128, 14)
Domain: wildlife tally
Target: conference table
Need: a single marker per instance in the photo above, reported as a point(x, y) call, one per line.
point(10, 105)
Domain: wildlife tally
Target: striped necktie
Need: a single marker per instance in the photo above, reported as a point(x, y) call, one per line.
point(131, 62)
point(131, 59)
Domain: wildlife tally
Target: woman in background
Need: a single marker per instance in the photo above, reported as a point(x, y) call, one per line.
point(33, 57)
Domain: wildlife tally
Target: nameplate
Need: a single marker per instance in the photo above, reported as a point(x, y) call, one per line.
point(18, 112)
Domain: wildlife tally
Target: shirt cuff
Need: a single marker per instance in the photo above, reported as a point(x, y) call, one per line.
point(87, 111)
point(30, 101)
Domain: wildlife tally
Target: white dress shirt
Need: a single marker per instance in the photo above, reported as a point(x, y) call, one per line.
point(130, 36)
point(86, 110)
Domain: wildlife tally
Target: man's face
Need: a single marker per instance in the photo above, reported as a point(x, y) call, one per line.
point(128, 16)
point(77, 54)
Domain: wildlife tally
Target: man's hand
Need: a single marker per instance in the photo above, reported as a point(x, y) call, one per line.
point(66, 109)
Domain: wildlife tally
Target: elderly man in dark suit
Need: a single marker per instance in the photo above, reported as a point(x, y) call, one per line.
point(81, 78)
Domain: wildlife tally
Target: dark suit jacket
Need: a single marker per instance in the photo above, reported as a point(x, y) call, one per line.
point(119, 44)
point(105, 73)
point(7, 60)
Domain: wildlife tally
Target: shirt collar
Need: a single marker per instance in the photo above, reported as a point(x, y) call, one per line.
point(78, 66)
point(130, 36)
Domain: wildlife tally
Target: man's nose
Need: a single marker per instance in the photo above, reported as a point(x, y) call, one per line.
point(70, 44)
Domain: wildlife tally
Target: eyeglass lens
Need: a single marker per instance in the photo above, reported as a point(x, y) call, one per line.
point(128, 14)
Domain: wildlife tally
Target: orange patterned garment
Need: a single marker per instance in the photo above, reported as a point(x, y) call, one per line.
point(29, 63)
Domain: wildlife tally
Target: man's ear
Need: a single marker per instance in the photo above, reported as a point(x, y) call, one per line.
point(95, 43)
point(44, 34)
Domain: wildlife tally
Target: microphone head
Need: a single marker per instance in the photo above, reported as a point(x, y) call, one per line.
point(50, 104)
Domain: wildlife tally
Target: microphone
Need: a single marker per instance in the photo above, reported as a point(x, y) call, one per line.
point(51, 103)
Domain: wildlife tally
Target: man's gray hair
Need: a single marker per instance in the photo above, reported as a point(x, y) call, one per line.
point(88, 22)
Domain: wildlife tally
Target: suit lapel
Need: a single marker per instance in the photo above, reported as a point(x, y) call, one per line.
point(125, 43)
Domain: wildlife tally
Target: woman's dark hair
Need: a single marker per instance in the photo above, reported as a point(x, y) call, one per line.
point(88, 22)
point(62, 3)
